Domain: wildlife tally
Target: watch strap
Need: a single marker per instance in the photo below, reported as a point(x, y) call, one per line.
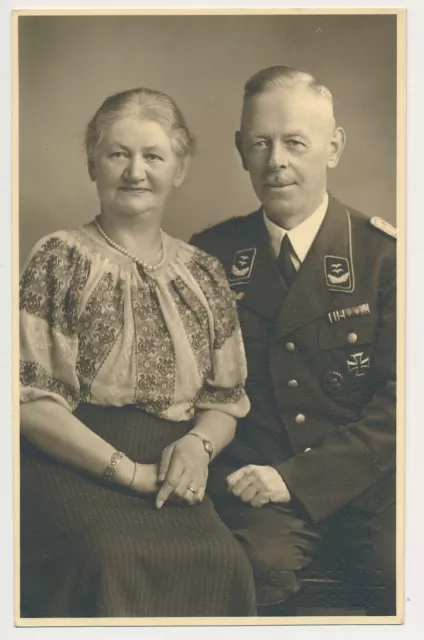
point(207, 445)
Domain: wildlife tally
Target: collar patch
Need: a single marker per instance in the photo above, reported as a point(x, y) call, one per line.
point(242, 266)
point(337, 273)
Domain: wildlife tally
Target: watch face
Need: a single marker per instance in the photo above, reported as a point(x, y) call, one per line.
point(208, 447)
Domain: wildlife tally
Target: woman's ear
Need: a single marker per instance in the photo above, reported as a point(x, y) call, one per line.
point(92, 170)
point(239, 144)
point(337, 145)
point(181, 172)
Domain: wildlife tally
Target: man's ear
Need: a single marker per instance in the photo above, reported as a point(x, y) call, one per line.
point(239, 145)
point(92, 170)
point(181, 172)
point(337, 145)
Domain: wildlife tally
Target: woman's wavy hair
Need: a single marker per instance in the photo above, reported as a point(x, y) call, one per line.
point(142, 103)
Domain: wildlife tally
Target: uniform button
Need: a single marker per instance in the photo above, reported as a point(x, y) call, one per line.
point(352, 338)
point(292, 384)
point(290, 346)
point(307, 449)
point(300, 418)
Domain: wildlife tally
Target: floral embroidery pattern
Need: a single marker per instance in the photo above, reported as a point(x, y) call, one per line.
point(52, 284)
point(195, 320)
point(155, 356)
point(98, 328)
point(68, 344)
point(214, 395)
point(211, 278)
point(34, 375)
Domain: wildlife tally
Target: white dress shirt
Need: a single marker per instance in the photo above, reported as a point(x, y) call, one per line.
point(301, 237)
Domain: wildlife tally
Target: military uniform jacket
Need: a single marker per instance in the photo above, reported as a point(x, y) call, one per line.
point(321, 358)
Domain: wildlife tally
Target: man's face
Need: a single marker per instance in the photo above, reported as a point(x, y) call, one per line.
point(287, 142)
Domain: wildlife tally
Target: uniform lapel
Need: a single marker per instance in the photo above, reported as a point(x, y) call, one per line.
point(265, 288)
point(327, 269)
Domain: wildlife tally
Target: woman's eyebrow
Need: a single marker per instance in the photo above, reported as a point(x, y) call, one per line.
point(150, 147)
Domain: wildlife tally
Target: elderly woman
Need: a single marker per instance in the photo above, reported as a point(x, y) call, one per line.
point(132, 379)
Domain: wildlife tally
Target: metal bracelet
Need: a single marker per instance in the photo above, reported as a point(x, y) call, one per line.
point(130, 486)
point(109, 472)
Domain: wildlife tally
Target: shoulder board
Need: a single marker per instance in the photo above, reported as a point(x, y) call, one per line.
point(384, 226)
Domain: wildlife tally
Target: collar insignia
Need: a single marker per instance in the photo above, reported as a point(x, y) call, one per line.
point(242, 266)
point(337, 273)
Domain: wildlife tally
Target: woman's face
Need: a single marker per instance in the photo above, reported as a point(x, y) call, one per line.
point(135, 168)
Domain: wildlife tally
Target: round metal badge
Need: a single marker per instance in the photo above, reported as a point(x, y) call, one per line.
point(333, 380)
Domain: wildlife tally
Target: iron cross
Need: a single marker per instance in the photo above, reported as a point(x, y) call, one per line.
point(358, 364)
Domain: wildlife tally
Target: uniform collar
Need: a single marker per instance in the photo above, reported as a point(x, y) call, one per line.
point(312, 292)
point(302, 236)
point(326, 273)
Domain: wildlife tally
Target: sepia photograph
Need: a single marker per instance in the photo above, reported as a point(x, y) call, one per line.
point(210, 213)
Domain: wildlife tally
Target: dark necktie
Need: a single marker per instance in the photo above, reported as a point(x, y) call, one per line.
point(284, 261)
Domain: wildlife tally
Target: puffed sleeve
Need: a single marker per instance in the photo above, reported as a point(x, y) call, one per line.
point(224, 388)
point(50, 292)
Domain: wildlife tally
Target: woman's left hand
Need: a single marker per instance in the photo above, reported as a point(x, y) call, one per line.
point(183, 471)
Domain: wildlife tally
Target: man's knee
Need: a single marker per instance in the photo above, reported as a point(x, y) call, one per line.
point(278, 544)
point(276, 564)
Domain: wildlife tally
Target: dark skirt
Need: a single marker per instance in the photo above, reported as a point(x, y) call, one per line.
point(88, 550)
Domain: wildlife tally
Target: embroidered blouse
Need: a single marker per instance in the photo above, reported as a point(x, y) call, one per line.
point(96, 327)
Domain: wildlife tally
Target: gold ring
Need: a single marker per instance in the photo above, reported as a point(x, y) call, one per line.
point(191, 489)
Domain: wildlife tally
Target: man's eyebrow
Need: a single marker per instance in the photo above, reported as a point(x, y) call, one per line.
point(271, 134)
point(297, 133)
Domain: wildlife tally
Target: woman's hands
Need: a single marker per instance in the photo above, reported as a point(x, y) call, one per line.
point(183, 471)
point(146, 478)
point(184, 463)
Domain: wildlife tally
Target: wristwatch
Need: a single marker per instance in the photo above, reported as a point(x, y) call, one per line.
point(207, 445)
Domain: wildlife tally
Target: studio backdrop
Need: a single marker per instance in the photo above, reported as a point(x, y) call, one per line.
point(69, 64)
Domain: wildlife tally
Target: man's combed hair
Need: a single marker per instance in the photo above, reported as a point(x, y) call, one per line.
point(141, 103)
point(282, 76)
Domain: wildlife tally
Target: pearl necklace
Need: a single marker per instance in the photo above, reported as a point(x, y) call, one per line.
point(115, 245)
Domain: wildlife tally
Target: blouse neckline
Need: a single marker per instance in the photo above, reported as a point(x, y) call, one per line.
point(105, 249)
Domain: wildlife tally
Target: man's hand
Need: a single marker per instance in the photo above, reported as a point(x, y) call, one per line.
point(257, 485)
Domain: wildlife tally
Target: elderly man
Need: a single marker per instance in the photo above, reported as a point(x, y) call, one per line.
point(315, 284)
